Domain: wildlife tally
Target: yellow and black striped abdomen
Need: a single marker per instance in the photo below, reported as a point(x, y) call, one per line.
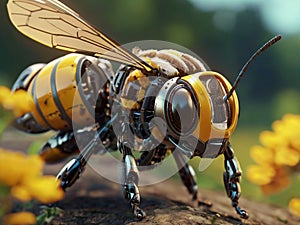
point(65, 92)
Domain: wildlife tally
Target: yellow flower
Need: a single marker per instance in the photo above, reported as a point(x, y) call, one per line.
point(45, 189)
point(23, 103)
point(4, 92)
point(23, 174)
point(262, 155)
point(261, 174)
point(291, 120)
point(19, 102)
point(278, 157)
point(294, 206)
point(33, 166)
point(16, 167)
point(295, 143)
point(286, 156)
point(20, 218)
point(288, 128)
point(271, 139)
point(271, 179)
point(11, 167)
point(21, 193)
point(278, 182)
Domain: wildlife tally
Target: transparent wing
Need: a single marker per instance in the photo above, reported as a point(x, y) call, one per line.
point(52, 23)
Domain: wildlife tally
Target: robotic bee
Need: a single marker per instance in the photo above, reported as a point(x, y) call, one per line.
point(158, 102)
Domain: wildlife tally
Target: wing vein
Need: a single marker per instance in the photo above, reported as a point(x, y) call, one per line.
point(54, 24)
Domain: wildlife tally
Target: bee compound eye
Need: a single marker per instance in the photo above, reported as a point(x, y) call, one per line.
point(182, 111)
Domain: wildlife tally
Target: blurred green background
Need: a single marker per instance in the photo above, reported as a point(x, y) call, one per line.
point(223, 33)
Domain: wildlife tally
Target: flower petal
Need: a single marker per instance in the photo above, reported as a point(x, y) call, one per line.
point(45, 189)
point(11, 167)
point(286, 156)
point(260, 174)
point(271, 139)
point(20, 102)
point(294, 206)
point(279, 181)
point(20, 218)
point(33, 167)
point(262, 155)
point(20, 193)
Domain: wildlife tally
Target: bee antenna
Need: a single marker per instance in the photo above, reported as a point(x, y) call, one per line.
point(247, 64)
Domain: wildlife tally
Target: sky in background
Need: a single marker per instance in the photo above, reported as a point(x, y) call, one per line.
point(279, 16)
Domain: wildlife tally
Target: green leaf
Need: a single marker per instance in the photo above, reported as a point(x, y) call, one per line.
point(47, 214)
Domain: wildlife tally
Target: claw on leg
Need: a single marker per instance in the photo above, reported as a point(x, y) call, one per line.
point(130, 189)
point(242, 212)
point(132, 195)
point(138, 212)
point(232, 177)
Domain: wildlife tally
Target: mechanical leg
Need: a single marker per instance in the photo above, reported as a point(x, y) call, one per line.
point(59, 147)
point(232, 181)
point(188, 177)
point(73, 169)
point(131, 179)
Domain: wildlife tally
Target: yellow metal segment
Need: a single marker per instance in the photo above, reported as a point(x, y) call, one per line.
point(47, 111)
point(136, 77)
point(205, 129)
point(40, 88)
point(66, 82)
point(55, 155)
point(67, 88)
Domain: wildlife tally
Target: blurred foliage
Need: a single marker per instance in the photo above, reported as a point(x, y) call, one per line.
point(47, 214)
